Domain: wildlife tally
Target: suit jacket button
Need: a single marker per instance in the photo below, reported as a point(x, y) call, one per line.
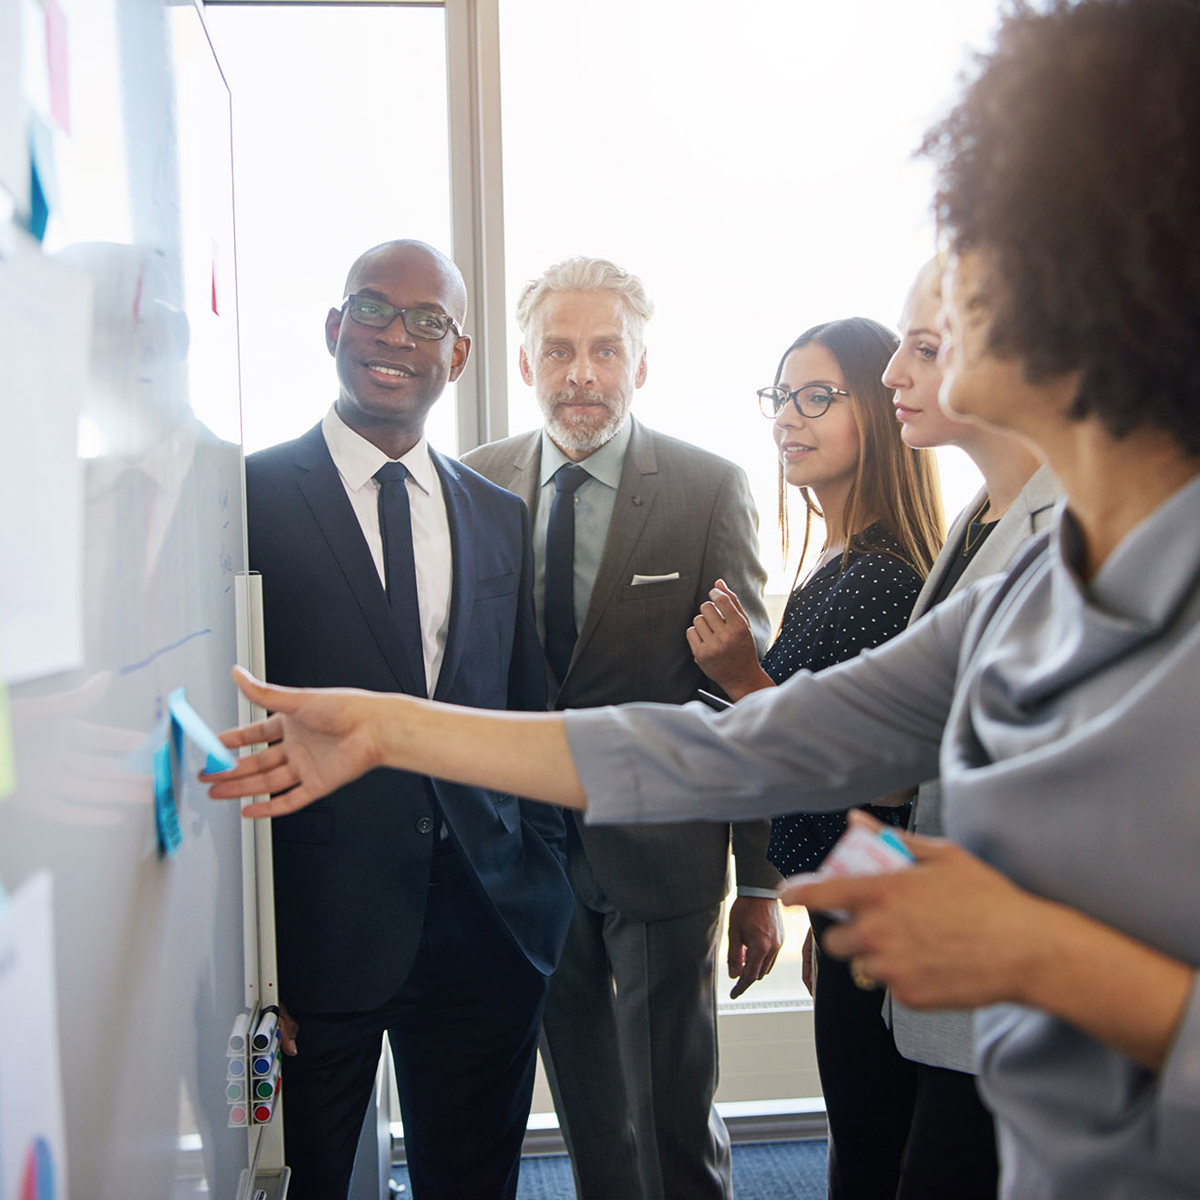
point(425, 825)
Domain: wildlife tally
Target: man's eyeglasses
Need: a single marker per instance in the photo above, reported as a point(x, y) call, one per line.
point(811, 401)
point(425, 323)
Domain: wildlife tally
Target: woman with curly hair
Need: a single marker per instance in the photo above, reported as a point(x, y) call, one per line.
point(838, 443)
point(1057, 703)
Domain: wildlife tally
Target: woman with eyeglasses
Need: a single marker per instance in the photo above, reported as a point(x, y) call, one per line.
point(1056, 702)
point(839, 444)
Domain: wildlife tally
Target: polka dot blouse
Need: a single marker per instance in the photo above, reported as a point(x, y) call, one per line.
point(833, 616)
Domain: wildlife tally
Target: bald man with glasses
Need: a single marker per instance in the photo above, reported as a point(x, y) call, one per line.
point(405, 906)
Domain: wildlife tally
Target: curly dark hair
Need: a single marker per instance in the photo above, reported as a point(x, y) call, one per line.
point(1073, 161)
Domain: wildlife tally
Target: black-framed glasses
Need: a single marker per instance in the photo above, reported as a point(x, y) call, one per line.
point(811, 401)
point(426, 323)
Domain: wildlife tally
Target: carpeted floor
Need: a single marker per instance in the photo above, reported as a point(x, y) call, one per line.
point(761, 1171)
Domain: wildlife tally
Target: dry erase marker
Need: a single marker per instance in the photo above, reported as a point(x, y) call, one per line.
point(265, 1031)
point(237, 1116)
point(237, 1035)
point(264, 1089)
point(235, 1091)
point(262, 1112)
point(237, 1068)
point(263, 1063)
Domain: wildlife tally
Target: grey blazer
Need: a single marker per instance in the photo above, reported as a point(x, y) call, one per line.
point(944, 1039)
point(678, 509)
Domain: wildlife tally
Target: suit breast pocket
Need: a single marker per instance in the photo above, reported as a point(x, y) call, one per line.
point(680, 588)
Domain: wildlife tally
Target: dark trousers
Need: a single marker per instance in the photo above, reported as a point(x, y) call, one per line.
point(869, 1085)
point(463, 1032)
point(951, 1149)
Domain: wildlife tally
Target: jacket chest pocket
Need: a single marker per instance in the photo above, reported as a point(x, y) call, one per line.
point(680, 588)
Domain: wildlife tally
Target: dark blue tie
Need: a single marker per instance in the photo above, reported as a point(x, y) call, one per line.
point(558, 610)
point(400, 572)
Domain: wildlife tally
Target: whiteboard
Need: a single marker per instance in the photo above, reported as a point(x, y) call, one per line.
point(148, 948)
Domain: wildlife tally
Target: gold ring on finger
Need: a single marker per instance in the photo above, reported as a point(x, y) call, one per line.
point(861, 976)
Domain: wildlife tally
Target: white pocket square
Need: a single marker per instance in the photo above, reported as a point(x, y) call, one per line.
point(638, 580)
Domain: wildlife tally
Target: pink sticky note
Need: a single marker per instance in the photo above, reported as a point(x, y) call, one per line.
point(56, 65)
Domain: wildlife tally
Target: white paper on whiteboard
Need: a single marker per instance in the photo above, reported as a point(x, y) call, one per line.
point(14, 153)
point(32, 1145)
point(45, 341)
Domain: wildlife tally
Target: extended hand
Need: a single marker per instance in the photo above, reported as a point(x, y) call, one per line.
point(318, 740)
point(755, 937)
point(722, 644)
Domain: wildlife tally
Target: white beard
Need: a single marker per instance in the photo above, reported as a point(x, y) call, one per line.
point(570, 431)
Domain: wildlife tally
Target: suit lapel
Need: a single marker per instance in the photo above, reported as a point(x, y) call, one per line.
point(631, 510)
point(523, 478)
point(463, 530)
point(325, 495)
point(1028, 512)
point(1016, 527)
point(941, 565)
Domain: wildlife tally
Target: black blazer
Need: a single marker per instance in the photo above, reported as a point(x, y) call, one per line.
point(351, 870)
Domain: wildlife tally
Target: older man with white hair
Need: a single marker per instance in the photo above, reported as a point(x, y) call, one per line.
point(631, 529)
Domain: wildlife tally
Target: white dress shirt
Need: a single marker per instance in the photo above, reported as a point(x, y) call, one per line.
point(357, 460)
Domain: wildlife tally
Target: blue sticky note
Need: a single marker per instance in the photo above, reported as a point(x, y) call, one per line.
point(187, 721)
point(43, 175)
point(166, 815)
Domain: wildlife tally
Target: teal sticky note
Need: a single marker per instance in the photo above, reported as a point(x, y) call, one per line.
point(185, 718)
point(166, 814)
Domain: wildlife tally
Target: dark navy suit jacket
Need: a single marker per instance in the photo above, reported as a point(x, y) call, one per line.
point(351, 871)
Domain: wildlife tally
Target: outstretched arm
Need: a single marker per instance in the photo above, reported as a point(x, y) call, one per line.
point(321, 739)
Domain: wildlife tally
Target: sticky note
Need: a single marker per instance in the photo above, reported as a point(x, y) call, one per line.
point(190, 723)
point(166, 814)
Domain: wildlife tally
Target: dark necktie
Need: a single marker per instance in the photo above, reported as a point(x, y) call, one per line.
point(558, 611)
point(400, 572)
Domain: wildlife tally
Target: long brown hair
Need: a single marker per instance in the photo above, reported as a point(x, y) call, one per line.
point(893, 483)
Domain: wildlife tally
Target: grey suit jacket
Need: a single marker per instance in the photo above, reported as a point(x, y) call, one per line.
point(945, 1039)
point(678, 509)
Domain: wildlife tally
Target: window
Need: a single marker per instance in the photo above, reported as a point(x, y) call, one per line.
point(341, 141)
point(753, 164)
